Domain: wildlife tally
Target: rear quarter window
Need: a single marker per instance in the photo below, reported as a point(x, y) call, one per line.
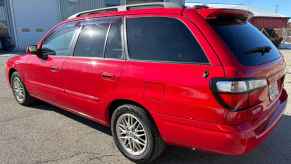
point(244, 39)
point(162, 39)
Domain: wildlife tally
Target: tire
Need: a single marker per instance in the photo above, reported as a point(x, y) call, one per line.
point(19, 90)
point(147, 151)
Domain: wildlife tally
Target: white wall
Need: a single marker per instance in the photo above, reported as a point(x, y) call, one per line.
point(32, 18)
point(70, 7)
point(2, 14)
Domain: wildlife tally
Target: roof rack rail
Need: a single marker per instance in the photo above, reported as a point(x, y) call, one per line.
point(129, 7)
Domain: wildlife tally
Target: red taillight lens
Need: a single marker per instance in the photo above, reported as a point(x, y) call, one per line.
point(240, 94)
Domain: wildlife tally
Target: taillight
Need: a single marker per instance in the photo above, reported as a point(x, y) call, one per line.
point(240, 94)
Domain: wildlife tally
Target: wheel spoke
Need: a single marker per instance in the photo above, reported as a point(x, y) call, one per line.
point(122, 131)
point(139, 147)
point(124, 137)
point(127, 121)
point(132, 127)
point(135, 148)
point(121, 126)
point(140, 135)
point(130, 143)
point(140, 142)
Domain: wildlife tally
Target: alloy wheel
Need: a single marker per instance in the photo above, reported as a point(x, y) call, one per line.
point(18, 90)
point(131, 134)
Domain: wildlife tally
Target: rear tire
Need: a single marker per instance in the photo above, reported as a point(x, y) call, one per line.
point(135, 135)
point(19, 90)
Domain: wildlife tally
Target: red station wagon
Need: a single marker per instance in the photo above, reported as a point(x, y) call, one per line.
point(157, 74)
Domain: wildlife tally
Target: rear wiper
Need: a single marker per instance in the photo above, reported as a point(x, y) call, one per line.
point(263, 50)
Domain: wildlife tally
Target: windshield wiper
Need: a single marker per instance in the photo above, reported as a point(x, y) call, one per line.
point(262, 50)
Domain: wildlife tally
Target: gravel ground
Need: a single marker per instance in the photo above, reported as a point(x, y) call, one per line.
point(45, 134)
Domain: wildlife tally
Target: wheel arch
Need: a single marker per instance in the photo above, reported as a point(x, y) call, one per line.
point(11, 71)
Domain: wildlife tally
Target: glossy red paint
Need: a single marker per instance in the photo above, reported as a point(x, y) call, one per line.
point(178, 97)
point(210, 13)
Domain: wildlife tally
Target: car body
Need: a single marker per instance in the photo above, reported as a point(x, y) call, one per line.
point(182, 98)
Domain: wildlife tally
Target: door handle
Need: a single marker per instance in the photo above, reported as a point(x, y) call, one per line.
point(54, 69)
point(107, 76)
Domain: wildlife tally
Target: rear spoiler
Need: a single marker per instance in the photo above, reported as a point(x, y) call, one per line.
point(213, 13)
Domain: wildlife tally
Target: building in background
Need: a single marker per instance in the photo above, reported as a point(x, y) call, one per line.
point(5, 40)
point(273, 25)
point(29, 20)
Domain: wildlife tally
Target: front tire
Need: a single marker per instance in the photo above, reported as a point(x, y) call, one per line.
point(135, 134)
point(19, 91)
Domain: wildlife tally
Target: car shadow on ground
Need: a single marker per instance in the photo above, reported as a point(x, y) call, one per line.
point(276, 149)
point(92, 124)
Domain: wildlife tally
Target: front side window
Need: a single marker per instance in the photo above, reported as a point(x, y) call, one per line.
point(162, 39)
point(91, 41)
point(60, 41)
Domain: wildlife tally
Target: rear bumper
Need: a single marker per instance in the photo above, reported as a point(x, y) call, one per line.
point(228, 140)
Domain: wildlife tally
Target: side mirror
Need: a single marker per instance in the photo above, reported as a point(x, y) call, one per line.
point(42, 53)
point(32, 49)
point(45, 52)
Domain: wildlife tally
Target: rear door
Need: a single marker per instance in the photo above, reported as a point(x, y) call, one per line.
point(89, 77)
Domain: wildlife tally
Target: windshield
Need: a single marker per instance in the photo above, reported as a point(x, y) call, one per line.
point(247, 43)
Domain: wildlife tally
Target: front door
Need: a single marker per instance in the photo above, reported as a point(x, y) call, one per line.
point(44, 76)
point(89, 77)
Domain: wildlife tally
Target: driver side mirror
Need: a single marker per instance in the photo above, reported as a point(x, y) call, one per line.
point(32, 49)
point(41, 53)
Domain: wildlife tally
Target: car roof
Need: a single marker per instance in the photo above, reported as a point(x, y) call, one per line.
point(153, 11)
point(206, 13)
point(159, 8)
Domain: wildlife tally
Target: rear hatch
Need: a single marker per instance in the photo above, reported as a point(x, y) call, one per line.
point(261, 66)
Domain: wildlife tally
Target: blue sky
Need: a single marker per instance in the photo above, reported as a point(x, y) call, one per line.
point(284, 6)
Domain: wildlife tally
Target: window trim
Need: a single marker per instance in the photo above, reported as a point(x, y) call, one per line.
point(106, 39)
point(123, 55)
point(155, 61)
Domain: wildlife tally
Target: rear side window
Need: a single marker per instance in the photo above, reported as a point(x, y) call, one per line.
point(162, 39)
point(247, 43)
point(91, 40)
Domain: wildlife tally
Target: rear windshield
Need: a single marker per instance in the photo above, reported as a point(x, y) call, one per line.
point(247, 43)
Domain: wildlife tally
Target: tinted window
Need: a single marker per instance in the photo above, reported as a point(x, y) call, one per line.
point(114, 44)
point(91, 40)
point(60, 41)
point(162, 39)
point(244, 39)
